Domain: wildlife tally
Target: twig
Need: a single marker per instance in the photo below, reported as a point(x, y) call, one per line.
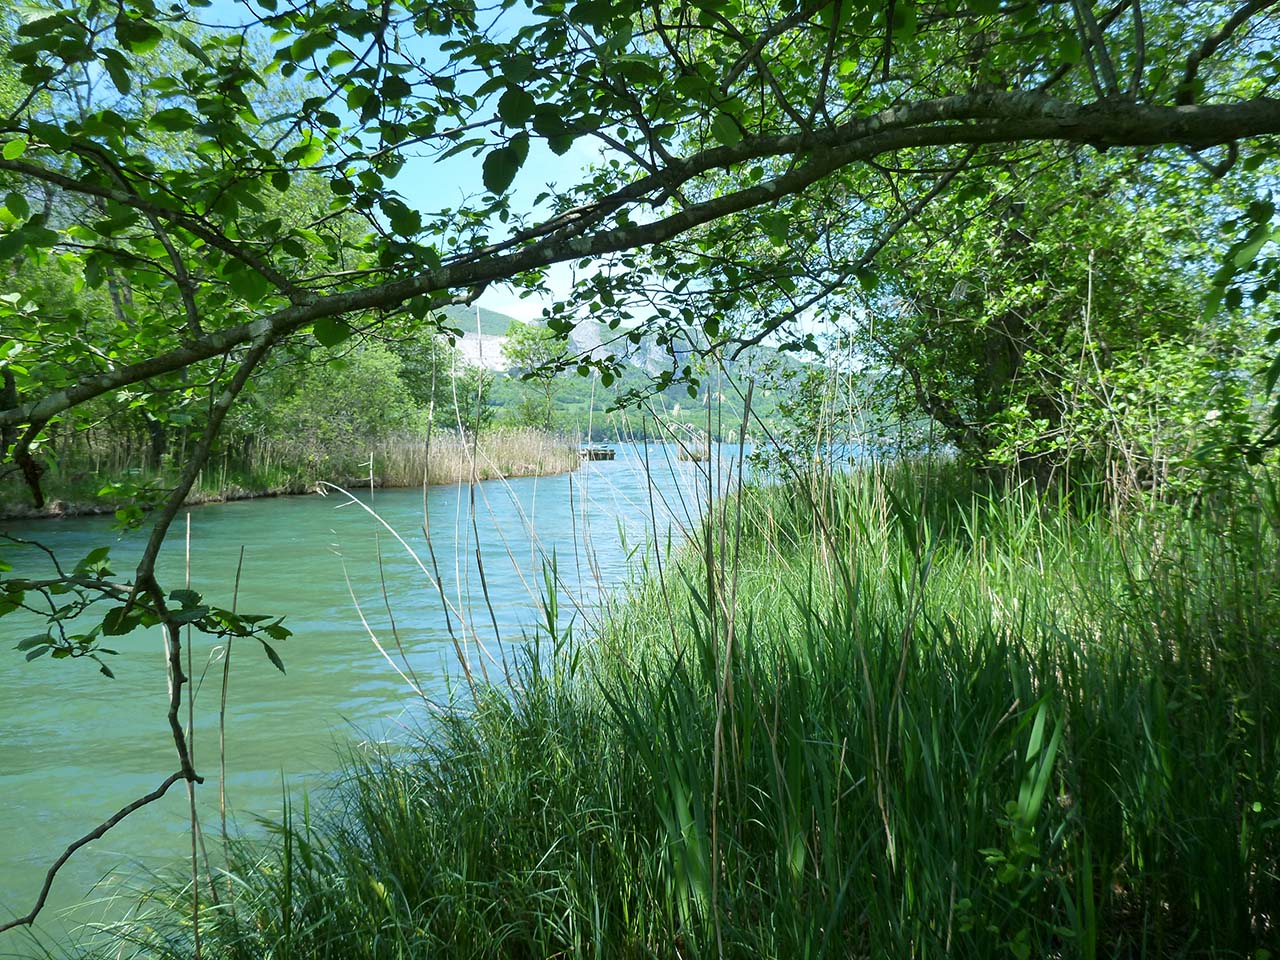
point(222, 726)
point(94, 834)
point(1186, 90)
point(191, 787)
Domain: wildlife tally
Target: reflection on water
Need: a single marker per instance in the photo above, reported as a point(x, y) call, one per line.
point(75, 746)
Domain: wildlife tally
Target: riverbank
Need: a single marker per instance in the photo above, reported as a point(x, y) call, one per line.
point(321, 565)
point(876, 715)
point(277, 469)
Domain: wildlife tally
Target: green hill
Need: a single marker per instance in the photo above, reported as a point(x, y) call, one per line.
point(464, 318)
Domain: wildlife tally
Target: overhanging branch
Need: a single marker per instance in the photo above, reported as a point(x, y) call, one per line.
point(972, 119)
point(96, 833)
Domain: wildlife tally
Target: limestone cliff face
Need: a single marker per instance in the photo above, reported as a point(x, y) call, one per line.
point(483, 350)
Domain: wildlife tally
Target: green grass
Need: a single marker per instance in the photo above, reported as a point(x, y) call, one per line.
point(890, 716)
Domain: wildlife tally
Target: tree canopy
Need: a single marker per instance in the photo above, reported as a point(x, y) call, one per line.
point(235, 178)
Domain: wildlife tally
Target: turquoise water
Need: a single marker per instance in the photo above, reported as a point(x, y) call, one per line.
point(76, 746)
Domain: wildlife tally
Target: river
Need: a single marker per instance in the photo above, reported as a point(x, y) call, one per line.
point(76, 746)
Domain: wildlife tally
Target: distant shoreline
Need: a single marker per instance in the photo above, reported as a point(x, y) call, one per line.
point(56, 509)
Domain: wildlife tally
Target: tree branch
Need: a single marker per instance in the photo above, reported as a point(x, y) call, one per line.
point(167, 215)
point(1105, 76)
point(830, 286)
point(983, 118)
point(1186, 90)
point(94, 834)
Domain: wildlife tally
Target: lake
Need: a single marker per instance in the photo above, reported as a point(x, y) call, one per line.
point(76, 746)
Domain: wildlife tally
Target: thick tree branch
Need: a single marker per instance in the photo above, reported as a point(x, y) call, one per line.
point(987, 118)
point(32, 471)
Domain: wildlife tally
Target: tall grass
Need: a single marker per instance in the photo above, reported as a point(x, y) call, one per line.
point(887, 715)
point(102, 478)
point(499, 453)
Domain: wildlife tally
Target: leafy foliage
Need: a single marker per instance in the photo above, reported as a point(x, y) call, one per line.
point(218, 194)
point(1069, 335)
point(537, 354)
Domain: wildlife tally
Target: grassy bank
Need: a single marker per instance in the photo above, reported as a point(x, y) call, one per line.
point(876, 716)
point(104, 480)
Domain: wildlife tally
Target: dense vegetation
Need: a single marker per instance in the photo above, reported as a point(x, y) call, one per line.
point(887, 714)
point(875, 713)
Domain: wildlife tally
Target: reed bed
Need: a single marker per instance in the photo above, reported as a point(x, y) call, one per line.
point(498, 454)
point(272, 467)
point(880, 715)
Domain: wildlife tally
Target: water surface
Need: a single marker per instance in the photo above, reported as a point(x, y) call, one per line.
point(75, 746)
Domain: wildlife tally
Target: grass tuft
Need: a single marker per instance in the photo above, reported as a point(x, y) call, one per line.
point(902, 717)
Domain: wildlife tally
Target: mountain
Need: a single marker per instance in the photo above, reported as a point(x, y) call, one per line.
point(492, 323)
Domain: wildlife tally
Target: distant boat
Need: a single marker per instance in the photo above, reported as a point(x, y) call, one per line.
point(597, 452)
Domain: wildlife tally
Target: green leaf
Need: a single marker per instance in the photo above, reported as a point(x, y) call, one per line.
point(1273, 374)
point(190, 614)
point(1254, 242)
point(404, 220)
point(272, 655)
point(187, 598)
point(117, 68)
point(1071, 49)
point(776, 227)
point(331, 331)
point(12, 244)
point(277, 631)
point(29, 642)
point(500, 169)
point(173, 120)
point(245, 282)
point(17, 205)
point(395, 88)
point(307, 153)
point(306, 46)
point(904, 19)
point(138, 35)
point(15, 148)
point(560, 144)
point(548, 121)
point(42, 25)
point(119, 621)
point(725, 129)
point(515, 107)
point(96, 556)
point(95, 562)
point(1260, 211)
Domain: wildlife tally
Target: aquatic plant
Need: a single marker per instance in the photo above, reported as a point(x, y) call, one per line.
point(885, 714)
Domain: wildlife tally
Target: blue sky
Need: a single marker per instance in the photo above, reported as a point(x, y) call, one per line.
point(429, 185)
